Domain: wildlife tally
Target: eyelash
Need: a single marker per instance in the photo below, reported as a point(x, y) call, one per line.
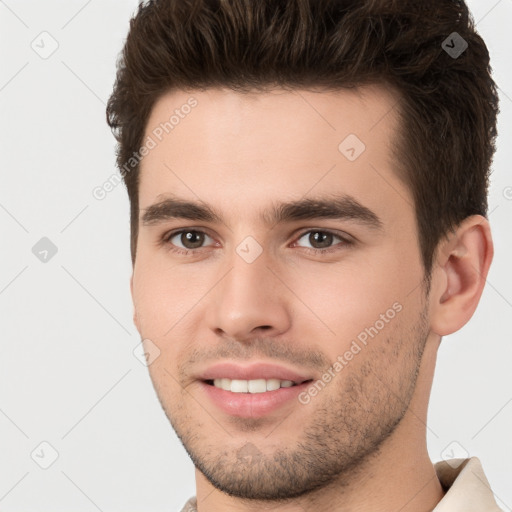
point(172, 248)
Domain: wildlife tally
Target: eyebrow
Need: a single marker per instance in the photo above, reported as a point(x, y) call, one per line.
point(337, 208)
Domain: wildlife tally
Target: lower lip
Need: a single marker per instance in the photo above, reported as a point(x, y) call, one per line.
point(252, 405)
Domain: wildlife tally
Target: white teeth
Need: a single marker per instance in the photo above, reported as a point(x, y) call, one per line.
point(257, 386)
point(251, 386)
point(223, 384)
point(273, 384)
point(239, 386)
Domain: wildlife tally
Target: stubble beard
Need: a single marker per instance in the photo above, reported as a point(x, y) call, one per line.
point(346, 429)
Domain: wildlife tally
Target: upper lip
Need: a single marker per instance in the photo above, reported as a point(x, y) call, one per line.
point(251, 371)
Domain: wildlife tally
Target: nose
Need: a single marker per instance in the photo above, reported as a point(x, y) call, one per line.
point(249, 301)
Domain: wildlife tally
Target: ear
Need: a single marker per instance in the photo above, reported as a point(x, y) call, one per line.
point(135, 317)
point(462, 263)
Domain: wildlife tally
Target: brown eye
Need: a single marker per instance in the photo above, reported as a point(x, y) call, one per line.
point(188, 239)
point(192, 239)
point(322, 242)
point(320, 239)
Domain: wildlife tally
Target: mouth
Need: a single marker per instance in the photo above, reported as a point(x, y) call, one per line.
point(253, 386)
point(253, 390)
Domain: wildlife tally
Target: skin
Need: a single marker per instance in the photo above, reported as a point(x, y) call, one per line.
point(360, 443)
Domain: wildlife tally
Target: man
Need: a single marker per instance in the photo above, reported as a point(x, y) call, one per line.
point(308, 186)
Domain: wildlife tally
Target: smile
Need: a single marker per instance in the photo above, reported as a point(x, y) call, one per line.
point(251, 386)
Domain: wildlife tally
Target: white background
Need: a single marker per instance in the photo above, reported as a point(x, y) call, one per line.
point(68, 375)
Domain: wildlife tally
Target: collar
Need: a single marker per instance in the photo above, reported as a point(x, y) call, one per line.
point(467, 488)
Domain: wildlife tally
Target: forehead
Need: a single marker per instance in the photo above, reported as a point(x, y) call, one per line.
point(238, 149)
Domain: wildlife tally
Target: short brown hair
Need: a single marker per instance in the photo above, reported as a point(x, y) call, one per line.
point(448, 103)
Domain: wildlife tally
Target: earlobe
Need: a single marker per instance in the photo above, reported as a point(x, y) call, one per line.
point(463, 262)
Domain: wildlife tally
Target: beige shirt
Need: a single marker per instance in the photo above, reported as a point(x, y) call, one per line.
point(467, 488)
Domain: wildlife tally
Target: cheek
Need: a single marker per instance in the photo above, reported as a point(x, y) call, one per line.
point(162, 295)
point(349, 297)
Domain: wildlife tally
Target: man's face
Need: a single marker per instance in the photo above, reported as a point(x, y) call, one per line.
point(267, 293)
